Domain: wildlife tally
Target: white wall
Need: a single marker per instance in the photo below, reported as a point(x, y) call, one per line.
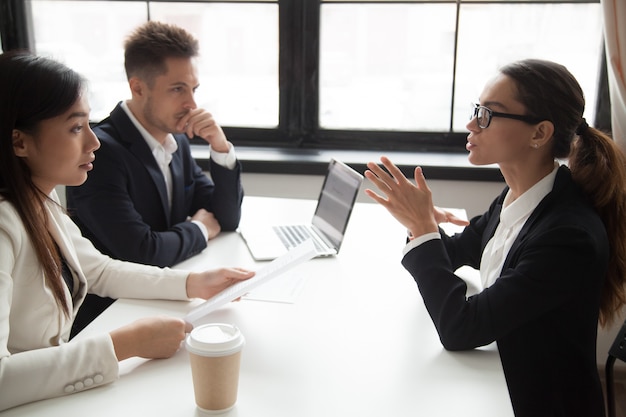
point(473, 196)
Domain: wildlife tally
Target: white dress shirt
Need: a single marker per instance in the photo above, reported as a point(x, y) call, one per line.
point(512, 218)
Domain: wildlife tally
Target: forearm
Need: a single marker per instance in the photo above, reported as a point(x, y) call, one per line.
point(226, 196)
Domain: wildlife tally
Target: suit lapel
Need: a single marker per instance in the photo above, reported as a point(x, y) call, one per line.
point(61, 236)
point(494, 220)
point(137, 145)
point(563, 178)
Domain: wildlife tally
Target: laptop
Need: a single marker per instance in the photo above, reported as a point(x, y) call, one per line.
point(326, 230)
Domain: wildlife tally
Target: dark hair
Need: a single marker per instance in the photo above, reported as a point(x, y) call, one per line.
point(550, 92)
point(33, 89)
point(147, 48)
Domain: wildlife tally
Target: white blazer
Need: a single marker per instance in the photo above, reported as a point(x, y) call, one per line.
point(36, 361)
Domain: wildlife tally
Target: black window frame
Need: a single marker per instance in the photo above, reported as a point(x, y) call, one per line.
point(298, 140)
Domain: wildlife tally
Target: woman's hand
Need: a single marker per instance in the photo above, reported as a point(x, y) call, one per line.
point(208, 283)
point(150, 338)
point(160, 337)
point(443, 216)
point(411, 204)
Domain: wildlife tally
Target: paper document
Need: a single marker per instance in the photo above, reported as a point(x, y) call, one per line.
point(284, 289)
point(300, 254)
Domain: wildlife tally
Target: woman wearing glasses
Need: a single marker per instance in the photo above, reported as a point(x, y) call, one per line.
point(550, 249)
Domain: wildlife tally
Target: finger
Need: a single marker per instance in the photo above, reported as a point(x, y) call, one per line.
point(183, 123)
point(192, 122)
point(456, 220)
point(395, 172)
point(209, 133)
point(377, 181)
point(202, 124)
point(380, 177)
point(244, 270)
point(240, 274)
point(420, 180)
point(377, 170)
point(191, 128)
point(375, 196)
point(188, 327)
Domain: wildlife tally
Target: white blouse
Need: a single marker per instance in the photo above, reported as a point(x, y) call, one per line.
point(512, 218)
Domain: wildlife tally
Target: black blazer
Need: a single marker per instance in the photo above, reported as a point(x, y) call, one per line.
point(122, 207)
point(542, 310)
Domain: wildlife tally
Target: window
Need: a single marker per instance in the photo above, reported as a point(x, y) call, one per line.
point(323, 74)
point(238, 67)
point(391, 66)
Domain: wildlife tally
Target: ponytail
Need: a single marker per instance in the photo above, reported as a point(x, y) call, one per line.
point(598, 166)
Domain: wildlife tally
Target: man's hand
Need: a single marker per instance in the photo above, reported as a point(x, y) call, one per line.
point(210, 222)
point(199, 122)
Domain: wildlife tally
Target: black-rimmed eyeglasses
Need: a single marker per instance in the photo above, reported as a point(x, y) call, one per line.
point(483, 116)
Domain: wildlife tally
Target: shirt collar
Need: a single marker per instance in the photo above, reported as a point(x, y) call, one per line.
point(169, 147)
point(527, 202)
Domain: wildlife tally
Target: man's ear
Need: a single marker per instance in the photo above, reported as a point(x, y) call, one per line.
point(137, 87)
point(20, 145)
point(543, 134)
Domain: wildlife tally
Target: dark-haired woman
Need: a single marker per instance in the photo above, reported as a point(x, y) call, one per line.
point(46, 266)
point(550, 249)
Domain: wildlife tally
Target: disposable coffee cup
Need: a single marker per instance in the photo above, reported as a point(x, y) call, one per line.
point(215, 354)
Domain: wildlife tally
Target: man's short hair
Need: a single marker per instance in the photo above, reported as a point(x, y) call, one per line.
point(147, 48)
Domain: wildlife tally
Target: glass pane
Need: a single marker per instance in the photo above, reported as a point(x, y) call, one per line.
point(238, 68)
point(493, 35)
point(386, 66)
point(89, 38)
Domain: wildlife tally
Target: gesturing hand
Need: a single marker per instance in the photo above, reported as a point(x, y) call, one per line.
point(411, 204)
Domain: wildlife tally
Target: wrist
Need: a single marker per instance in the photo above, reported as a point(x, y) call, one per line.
point(221, 147)
point(123, 343)
point(422, 230)
point(196, 286)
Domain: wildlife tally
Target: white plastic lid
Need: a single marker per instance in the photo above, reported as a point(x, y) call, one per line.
point(215, 339)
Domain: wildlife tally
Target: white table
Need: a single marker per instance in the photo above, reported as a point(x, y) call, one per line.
point(357, 341)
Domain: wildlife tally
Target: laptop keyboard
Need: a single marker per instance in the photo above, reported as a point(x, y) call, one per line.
point(292, 236)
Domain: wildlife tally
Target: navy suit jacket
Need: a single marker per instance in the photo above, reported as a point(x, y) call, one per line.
point(542, 310)
point(122, 207)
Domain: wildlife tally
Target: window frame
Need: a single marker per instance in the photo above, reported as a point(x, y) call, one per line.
point(298, 130)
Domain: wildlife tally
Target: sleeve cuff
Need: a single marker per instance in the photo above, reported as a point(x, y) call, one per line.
point(202, 227)
point(225, 159)
point(415, 242)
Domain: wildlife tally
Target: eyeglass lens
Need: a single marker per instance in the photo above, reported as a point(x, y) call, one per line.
point(482, 115)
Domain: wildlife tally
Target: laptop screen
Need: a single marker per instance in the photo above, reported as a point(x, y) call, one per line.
point(336, 200)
